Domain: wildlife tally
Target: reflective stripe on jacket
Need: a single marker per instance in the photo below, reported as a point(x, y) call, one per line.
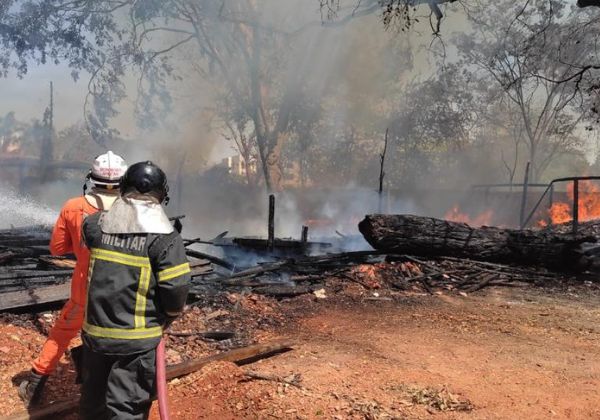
point(135, 282)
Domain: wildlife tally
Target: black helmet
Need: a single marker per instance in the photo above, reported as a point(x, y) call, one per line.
point(146, 178)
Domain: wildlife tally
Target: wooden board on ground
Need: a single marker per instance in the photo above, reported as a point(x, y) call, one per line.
point(35, 296)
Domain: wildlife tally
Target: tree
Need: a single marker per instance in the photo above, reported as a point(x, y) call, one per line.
point(394, 13)
point(401, 12)
point(238, 131)
point(74, 143)
point(84, 34)
point(241, 51)
point(524, 64)
point(109, 38)
point(430, 132)
point(509, 134)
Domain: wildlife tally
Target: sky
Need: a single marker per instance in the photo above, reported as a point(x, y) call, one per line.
point(30, 96)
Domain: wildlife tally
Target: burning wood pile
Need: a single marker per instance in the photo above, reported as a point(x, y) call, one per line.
point(414, 252)
point(376, 271)
point(411, 253)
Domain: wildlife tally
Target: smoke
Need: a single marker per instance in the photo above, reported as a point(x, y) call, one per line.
point(348, 83)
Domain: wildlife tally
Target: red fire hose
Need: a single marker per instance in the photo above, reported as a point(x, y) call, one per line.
point(161, 381)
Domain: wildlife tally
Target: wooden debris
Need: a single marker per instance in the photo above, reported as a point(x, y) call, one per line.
point(487, 279)
point(241, 356)
point(293, 380)
point(61, 262)
point(24, 284)
point(286, 291)
point(6, 256)
point(32, 274)
point(35, 296)
point(215, 260)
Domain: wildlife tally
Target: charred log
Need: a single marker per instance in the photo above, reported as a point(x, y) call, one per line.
point(425, 236)
point(588, 3)
point(286, 291)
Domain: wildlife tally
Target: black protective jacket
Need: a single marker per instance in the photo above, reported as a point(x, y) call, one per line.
point(135, 283)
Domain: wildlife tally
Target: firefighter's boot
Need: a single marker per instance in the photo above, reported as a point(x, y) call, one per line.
point(30, 390)
point(76, 357)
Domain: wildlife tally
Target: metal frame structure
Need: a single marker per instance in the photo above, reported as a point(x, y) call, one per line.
point(523, 187)
point(575, 205)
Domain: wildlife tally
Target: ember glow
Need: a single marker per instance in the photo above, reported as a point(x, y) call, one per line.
point(456, 215)
point(368, 275)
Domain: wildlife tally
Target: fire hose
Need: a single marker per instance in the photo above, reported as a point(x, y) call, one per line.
point(161, 381)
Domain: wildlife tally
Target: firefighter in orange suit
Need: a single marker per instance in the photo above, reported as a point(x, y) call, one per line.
point(104, 176)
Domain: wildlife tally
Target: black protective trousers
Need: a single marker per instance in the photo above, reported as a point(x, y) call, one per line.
point(117, 387)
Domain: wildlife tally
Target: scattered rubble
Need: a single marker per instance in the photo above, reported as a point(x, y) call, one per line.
point(31, 277)
point(435, 399)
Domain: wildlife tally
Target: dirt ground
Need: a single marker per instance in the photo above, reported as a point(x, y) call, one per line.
point(502, 353)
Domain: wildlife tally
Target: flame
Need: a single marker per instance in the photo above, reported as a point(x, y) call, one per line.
point(589, 204)
point(367, 270)
point(318, 223)
point(559, 212)
point(455, 215)
point(410, 269)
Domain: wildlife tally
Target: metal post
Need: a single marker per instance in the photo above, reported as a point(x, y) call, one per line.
point(524, 197)
point(550, 202)
point(575, 205)
point(381, 171)
point(304, 237)
point(271, 238)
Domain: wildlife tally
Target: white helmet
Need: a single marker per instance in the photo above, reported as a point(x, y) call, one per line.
point(108, 169)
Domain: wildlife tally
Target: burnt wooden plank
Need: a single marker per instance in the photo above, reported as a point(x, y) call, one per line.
point(35, 296)
point(32, 274)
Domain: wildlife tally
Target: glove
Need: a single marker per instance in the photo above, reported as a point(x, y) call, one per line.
point(76, 358)
point(30, 389)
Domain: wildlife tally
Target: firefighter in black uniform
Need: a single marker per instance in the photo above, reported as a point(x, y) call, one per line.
point(138, 282)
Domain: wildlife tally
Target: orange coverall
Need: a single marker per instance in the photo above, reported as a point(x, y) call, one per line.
point(66, 239)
